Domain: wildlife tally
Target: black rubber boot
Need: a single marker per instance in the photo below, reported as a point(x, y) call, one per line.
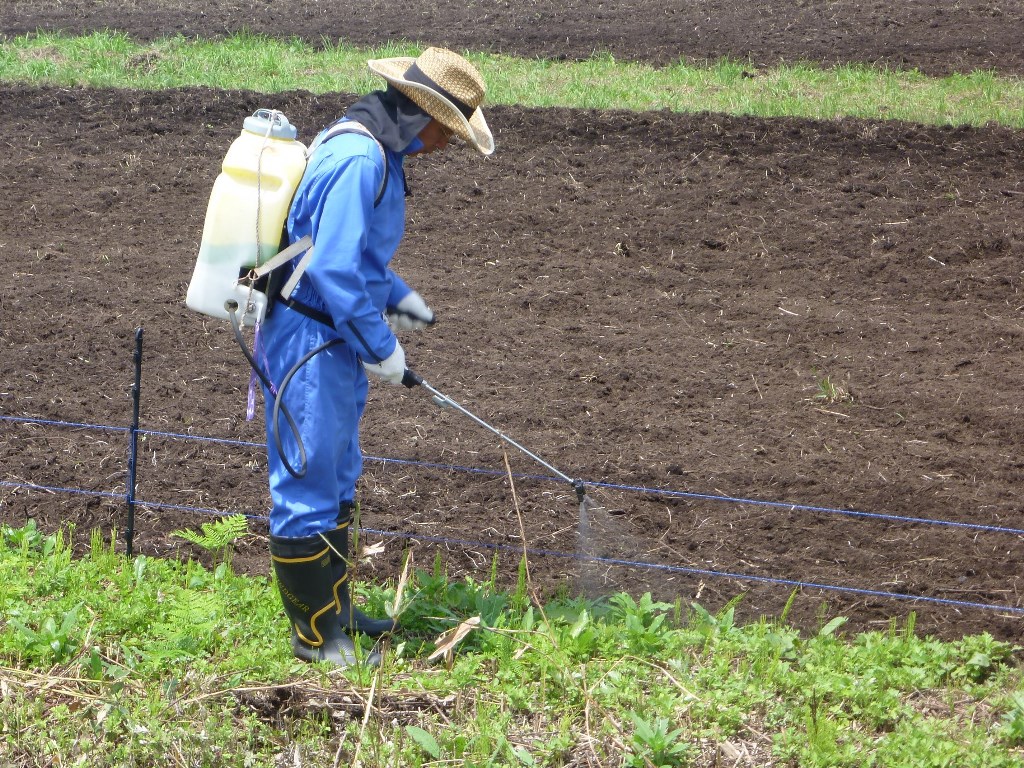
point(304, 577)
point(352, 619)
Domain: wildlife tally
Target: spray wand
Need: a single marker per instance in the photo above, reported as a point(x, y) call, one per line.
point(411, 379)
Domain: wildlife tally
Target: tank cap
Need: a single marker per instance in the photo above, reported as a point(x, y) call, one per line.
point(270, 122)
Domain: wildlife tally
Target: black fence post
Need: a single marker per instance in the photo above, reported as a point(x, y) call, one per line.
point(133, 449)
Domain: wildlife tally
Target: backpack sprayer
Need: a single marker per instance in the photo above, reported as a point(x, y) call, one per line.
point(240, 250)
point(245, 218)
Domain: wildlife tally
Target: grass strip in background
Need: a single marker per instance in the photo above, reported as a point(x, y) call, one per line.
point(267, 65)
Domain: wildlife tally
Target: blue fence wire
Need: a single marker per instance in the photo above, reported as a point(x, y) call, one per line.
point(640, 564)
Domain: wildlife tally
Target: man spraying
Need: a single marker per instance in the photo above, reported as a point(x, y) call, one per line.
point(351, 202)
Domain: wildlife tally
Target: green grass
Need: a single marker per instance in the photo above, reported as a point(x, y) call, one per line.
point(265, 65)
point(110, 661)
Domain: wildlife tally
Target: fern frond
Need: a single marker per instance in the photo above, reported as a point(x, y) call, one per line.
point(217, 535)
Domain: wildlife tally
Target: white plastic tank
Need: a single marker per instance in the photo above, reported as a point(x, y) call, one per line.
point(244, 219)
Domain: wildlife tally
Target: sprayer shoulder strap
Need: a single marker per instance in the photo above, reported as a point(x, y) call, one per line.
point(306, 243)
point(353, 126)
point(285, 256)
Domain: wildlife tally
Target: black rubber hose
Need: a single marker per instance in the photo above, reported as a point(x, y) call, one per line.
point(279, 407)
point(409, 379)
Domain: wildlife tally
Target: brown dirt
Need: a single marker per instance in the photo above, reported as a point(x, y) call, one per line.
point(646, 301)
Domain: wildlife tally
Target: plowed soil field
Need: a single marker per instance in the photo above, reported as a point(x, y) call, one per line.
point(783, 355)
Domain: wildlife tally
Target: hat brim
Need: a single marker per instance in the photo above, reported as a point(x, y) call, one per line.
point(473, 131)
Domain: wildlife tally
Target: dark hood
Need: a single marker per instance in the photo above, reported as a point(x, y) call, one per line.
point(391, 116)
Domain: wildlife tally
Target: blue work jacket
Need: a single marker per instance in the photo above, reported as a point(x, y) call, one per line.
point(348, 276)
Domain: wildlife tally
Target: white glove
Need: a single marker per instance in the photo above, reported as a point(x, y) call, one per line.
point(410, 314)
point(391, 368)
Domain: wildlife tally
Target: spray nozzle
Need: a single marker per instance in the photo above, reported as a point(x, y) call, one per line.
point(580, 488)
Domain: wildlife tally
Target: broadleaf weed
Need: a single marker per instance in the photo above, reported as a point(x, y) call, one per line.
point(1013, 720)
point(654, 741)
point(52, 642)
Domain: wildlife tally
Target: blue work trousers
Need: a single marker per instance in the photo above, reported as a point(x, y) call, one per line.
point(325, 398)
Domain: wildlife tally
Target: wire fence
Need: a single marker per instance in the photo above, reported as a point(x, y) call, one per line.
point(133, 433)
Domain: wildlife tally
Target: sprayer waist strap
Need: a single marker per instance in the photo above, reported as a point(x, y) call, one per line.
point(310, 312)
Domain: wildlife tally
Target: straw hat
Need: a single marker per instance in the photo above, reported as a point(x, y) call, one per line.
point(446, 87)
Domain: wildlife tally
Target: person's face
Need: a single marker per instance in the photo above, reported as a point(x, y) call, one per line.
point(434, 136)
